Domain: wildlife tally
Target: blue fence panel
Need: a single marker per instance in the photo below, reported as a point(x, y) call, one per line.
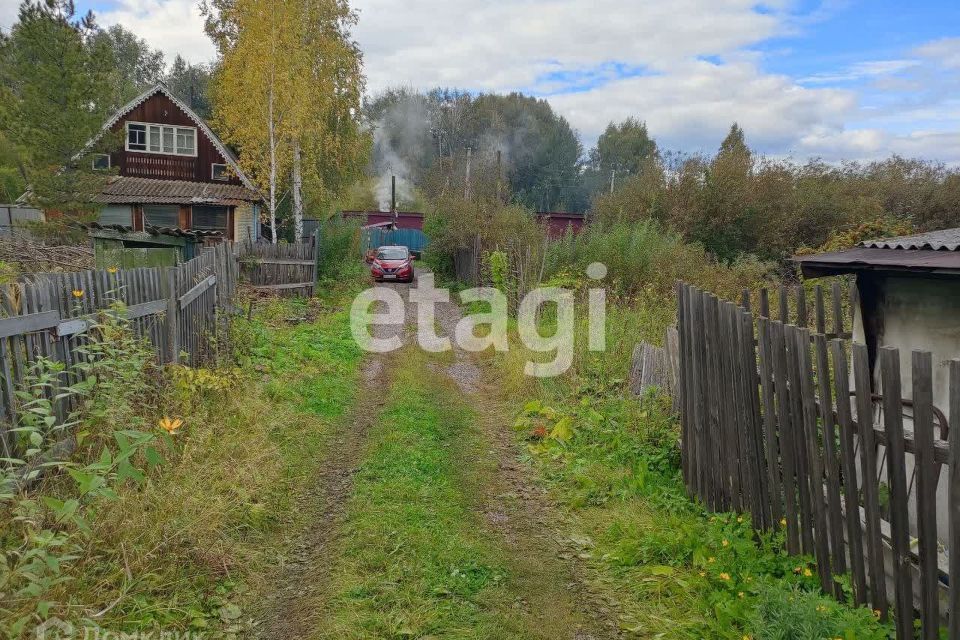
point(415, 239)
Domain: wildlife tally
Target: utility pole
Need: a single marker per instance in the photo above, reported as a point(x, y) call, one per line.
point(499, 176)
point(466, 182)
point(613, 177)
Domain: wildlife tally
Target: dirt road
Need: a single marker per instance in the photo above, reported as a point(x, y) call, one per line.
point(505, 514)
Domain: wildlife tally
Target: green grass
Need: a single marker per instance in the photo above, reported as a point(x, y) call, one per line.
point(416, 561)
point(676, 571)
point(191, 546)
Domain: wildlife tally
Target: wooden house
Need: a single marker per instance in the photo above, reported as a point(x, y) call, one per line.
point(174, 172)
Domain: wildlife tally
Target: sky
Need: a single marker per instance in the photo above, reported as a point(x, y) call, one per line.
point(834, 79)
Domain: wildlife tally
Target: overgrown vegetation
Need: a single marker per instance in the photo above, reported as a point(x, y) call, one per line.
point(183, 480)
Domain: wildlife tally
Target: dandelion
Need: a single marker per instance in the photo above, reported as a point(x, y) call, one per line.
point(111, 269)
point(725, 542)
point(783, 522)
point(724, 575)
point(78, 293)
point(740, 519)
point(807, 573)
point(170, 425)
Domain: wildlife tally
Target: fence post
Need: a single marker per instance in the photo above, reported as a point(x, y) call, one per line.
point(316, 260)
point(896, 477)
point(173, 313)
point(954, 500)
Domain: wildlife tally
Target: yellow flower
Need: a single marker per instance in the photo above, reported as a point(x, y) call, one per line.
point(796, 569)
point(711, 560)
point(170, 425)
point(807, 572)
point(876, 613)
point(740, 519)
point(783, 522)
point(703, 573)
point(725, 542)
point(746, 638)
point(78, 293)
point(739, 594)
point(111, 269)
point(724, 576)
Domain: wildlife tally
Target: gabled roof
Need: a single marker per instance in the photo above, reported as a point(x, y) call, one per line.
point(197, 120)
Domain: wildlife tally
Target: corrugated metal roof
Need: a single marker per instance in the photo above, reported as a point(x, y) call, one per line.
point(871, 258)
point(943, 240)
point(125, 189)
point(150, 230)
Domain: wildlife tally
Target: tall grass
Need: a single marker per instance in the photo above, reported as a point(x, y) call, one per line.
point(645, 257)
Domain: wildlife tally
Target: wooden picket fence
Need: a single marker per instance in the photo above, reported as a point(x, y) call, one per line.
point(773, 424)
point(288, 269)
point(178, 310)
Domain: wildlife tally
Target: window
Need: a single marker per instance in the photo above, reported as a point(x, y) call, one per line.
point(219, 172)
point(116, 214)
point(211, 219)
point(161, 138)
point(162, 215)
point(100, 161)
point(136, 137)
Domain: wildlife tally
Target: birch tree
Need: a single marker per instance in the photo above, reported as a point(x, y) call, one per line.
point(288, 94)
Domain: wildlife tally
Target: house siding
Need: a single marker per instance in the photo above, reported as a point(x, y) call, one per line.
point(244, 222)
point(159, 109)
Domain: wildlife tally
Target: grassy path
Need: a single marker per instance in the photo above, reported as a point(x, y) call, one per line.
point(421, 553)
point(421, 522)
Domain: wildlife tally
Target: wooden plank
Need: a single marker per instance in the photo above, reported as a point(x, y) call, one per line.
point(197, 290)
point(848, 470)
point(287, 261)
point(837, 309)
point(897, 481)
point(774, 492)
point(146, 309)
point(953, 503)
point(868, 467)
point(18, 325)
point(731, 403)
point(713, 426)
point(818, 503)
point(926, 497)
point(698, 361)
point(821, 314)
point(786, 444)
point(764, 303)
point(801, 306)
point(798, 440)
point(831, 463)
point(277, 287)
point(761, 491)
point(784, 305)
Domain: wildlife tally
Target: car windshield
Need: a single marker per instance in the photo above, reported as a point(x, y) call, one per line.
point(392, 253)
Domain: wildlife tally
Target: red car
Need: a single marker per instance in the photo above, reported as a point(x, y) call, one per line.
point(392, 264)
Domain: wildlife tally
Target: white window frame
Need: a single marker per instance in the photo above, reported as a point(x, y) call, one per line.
point(173, 127)
point(93, 161)
point(225, 177)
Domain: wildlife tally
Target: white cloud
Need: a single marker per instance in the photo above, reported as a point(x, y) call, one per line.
point(172, 26)
point(687, 67)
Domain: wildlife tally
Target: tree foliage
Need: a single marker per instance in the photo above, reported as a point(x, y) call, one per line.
point(59, 83)
point(289, 78)
point(739, 203)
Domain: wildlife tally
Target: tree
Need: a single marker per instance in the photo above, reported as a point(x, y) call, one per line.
point(287, 94)
point(191, 83)
point(137, 65)
point(60, 84)
point(621, 151)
